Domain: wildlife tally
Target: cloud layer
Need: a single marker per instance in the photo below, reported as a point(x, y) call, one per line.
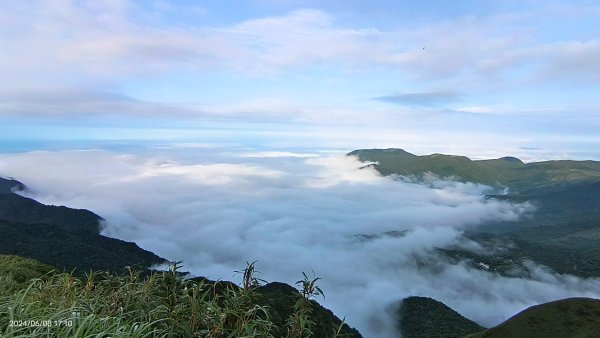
point(294, 213)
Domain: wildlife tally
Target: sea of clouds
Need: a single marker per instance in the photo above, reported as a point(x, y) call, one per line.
point(216, 209)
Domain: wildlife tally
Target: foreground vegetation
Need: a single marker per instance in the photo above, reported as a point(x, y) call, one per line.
point(162, 304)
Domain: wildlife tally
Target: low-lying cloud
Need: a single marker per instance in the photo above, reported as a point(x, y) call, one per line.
point(295, 214)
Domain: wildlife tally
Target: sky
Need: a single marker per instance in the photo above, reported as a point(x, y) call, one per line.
point(181, 120)
point(483, 79)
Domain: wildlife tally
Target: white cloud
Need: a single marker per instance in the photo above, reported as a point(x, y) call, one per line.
point(294, 214)
point(219, 174)
point(573, 60)
point(475, 109)
point(108, 41)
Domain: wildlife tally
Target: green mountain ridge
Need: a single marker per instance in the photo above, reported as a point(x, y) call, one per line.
point(502, 172)
point(19, 209)
point(67, 250)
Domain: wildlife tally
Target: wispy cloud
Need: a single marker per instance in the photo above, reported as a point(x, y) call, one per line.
point(475, 109)
point(425, 99)
point(110, 41)
point(90, 101)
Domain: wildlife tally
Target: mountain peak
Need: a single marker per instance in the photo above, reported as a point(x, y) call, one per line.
point(426, 317)
point(511, 159)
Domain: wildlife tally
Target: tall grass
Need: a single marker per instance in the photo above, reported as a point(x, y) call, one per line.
point(162, 304)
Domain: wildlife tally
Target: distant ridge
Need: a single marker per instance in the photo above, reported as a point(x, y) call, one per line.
point(506, 171)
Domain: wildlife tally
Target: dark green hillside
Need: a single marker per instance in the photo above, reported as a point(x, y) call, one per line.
point(19, 209)
point(10, 185)
point(62, 237)
point(567, 318)
point(579, 201)
point(506, 171)
point(564, 232)
point(54, 245)
point(422, 317)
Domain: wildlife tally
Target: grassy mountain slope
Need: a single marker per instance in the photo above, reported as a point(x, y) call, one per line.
point(422, 317)
point(19, 209)
point(16, 273)
point(567, 318)
point(51, 244)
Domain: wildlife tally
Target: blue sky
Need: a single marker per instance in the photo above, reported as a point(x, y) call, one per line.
point(477, 78)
